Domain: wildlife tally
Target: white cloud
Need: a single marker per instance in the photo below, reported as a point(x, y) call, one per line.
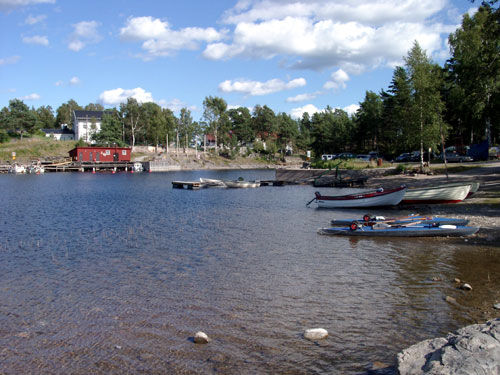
point(7, 5)
point(84, 33)
point(302, 97)
point(119, 95)
point(31, 20)
point(74, 81)
point(9, 60)
point(309, 108)
point(351, 35)
point(312, 109)
point(351, 109)
point(175, 105)
point(31, 97)
point(337, 80)
point(36, 39)
point(260, 88)
point(160, 40)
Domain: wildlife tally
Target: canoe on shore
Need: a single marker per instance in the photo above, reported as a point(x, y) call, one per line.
point(403, 231)
point(426, 220)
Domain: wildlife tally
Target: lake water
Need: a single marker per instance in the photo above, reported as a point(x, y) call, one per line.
point(115, 273)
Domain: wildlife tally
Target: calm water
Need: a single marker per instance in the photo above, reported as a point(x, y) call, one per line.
point(114, 274)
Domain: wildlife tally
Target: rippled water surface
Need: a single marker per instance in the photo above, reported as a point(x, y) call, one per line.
point(114, 274)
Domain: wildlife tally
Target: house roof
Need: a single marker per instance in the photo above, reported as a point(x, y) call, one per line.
point(89, 114)
point(58, 131)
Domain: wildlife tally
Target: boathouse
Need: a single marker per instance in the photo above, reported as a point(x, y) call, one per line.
point(100, 154)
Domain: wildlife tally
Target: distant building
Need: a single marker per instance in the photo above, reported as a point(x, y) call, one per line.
point(63, 134)
point(86, 124)
point(100, 154)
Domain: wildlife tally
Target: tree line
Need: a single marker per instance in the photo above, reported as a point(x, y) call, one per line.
point(424, 105)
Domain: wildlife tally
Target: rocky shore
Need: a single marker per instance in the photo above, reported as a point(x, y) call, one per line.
point(473, 349)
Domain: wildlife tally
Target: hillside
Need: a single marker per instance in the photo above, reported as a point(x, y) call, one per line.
point(34, 148)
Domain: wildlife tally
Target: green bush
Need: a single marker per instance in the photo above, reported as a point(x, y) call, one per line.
point(4, 136)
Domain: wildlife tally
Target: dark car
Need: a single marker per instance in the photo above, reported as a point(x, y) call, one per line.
point(404, 157)
point(346, 155)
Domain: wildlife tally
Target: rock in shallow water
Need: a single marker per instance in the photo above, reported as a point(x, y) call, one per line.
point(314, 334)
point(201, 338)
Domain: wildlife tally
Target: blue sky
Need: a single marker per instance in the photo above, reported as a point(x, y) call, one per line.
point(290, 55)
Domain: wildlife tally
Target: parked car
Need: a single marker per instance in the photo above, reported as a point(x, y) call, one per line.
point(328, 157)
point(346, 155)
point(404, 157)
point(364, 157)
point(455, 157)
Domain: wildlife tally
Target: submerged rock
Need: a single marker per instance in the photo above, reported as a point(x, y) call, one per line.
point(201, 338)
point(314, 334)
point(474, 349)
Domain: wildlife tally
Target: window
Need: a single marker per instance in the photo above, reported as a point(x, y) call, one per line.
point(80, 156)
point(107, 152)
point(90, 157)
point(124, 152)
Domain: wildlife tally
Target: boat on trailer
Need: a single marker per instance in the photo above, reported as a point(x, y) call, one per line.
point(429, 220)
point(373, 198)
point(386, 230)
point(437, 194)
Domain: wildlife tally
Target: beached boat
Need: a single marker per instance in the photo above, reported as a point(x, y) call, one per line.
point(474, 186)
point(17, 169)
point(209, 182)
point(437, 194)
point(241, 183)
point(426, 220)
point(373, 198)
point(401, 231)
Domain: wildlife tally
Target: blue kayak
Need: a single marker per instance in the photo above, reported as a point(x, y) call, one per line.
point(418, 230)
point(430, 220)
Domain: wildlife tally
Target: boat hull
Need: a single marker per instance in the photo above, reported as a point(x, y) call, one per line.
point(242, 184)
point(436, 195)
point(410, 231)
point(372, 199)
point(422, 219)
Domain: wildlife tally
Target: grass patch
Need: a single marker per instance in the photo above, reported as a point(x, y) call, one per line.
point(33, 148)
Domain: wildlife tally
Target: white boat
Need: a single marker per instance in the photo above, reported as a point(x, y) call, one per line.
point(437, 194)
point(374, 198)
point(17, 168)
point(137, 167)
point(241, 184)
point(36, 168)
point(210, 182)
point(474, 186)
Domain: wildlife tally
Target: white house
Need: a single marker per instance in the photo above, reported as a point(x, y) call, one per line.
point(86, 123)
point(63, 134)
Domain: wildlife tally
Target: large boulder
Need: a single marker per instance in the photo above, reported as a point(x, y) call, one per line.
point(474, 349)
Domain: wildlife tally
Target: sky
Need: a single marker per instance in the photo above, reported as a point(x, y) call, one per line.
point(293, 56)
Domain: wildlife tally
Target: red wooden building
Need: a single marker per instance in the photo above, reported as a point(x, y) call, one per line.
point(100, 154)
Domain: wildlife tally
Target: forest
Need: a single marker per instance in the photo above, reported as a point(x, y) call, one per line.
point(424, 106)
